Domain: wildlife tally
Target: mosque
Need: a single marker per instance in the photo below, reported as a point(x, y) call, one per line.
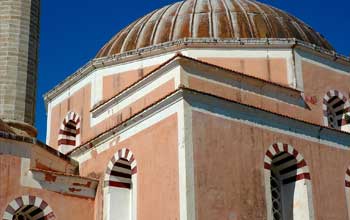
point(200, 110)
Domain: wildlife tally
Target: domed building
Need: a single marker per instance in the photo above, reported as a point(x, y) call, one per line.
point(203, 109)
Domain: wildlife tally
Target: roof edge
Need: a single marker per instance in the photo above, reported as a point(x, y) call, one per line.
point(179, 94)
point(182, 44)
point(34, 141)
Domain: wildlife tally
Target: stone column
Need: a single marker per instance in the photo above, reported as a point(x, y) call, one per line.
point(19, 42)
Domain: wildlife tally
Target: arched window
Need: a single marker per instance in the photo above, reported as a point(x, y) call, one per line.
point(28, 208)
point(288, 182)
point(335, 110)
point(120, 187)
point(69, 133)
point(276, 194)
point(347, 190)
point(29, 212)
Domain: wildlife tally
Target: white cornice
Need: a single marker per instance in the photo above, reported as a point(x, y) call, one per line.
point(230, 110)
point(183, 44)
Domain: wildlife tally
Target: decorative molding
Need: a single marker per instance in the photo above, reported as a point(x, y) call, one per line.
point(66, 184)
point(25, 144)
point(37, 202)
point(120, 169)
point(283, 161)
point(184, 44)
point(271, 121)
point(69, 133)
point(339, 117)
point(301, 168)
point(139, 118)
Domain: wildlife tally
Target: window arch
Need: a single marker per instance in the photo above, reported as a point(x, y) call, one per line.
point(120, 187)
point(287, 182)
point(28, 208)
point(335, 110)
point(69, 133)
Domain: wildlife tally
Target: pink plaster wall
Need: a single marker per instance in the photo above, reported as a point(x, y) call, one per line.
point(63, 206)
point(114, 84)
point(155, 150)
point(272, 69)
point(79, 102)
point(318, 81)
point(229, 172)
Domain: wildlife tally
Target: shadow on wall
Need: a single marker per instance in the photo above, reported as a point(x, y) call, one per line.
point(282, 180)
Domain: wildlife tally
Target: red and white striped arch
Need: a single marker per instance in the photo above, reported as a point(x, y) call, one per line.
point(347, 189)
point(332, 98)
point(120, 170)
point(28, 200)
point(347, 178)
point(301, 170)
point(69, 133)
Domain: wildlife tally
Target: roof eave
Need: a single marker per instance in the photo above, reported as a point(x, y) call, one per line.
point(183, 44)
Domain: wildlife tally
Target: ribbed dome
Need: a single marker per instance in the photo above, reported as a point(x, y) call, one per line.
point(221, 19)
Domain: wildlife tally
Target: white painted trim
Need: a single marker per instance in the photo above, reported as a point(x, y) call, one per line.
point(165, 112)
point(186, 163)
point(268, 197)
point(284, 53)
point(27, 179)
point(173, 74)
point(299, 80)
point(134, 197)
point(95, 78)
point(347, 196)
point(276, 130)
point(64, 149)
point(239, 52)
point(182, 162)
point(122, 68)
point(267, 92)
point(48, 124)
point(322, 62)
point(130, 131)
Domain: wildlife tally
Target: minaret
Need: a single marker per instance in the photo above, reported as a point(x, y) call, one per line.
point(19, 42)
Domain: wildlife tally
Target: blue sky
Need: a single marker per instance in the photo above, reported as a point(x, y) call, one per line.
point(72, 32)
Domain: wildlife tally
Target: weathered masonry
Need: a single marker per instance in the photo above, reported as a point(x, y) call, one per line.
point(19, 34)
point(200, 110)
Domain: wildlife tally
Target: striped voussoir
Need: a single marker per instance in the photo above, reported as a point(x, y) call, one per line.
point(120, 169)
point(347, 178)
point(31, 205)
point(288, 162)
point(335, 107)
point(69, 133)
